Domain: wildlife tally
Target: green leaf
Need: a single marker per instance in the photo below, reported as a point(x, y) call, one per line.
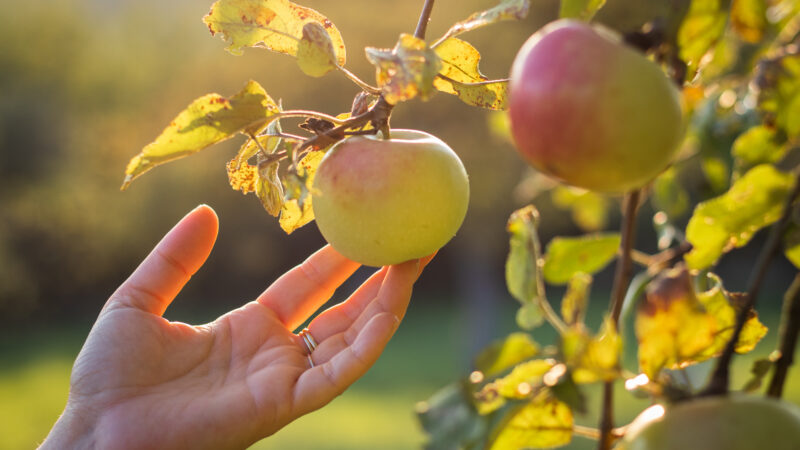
point(580, 9)
point(589, 209)
point(576, 300)
point(530, 316)
point(716, 172)
point(524, 379)
point(791, 245)
point(585, 254)
point(749, 19)
point(668, 194)
point(702, 27)
point(269, 189)
point(502, 355)
point(407, 70)
point(758, 371)
point(671, 325)
point(449, 418)
point(207, 120)
point(522, 268)
point(276, 25)
point(758, 145)
point(460, 65)
point(505, 10)
point(545, 422)
point(296, 210)
point(315, 54)
point(730, 220)
point(778, 83)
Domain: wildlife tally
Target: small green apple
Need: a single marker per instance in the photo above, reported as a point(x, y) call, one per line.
point(735, 422)
point(381, 202)
point(591, 111)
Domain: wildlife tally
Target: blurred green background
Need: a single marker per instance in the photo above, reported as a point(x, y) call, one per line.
point(85, 84)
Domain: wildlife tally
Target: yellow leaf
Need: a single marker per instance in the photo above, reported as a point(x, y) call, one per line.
point(545, 422)
point(405, 71)
point(460, 67)
point(206, 121)
point(672, 327)
point(242, 177)
point(270, 190)
point(276, 25)
point(505, 10)
point(592, 358)
point(293, 214)
point(315, 54)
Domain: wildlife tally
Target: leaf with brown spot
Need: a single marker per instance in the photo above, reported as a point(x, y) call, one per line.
point(505, 10)
point(405, 71)
point(276, 25)
point(462, 77)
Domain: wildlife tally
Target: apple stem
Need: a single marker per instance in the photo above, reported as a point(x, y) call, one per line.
point(788, 332)
point(424, 18)
point(720, 378)
point(622, 277)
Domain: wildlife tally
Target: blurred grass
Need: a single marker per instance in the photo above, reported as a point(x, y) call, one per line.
point(427, 353)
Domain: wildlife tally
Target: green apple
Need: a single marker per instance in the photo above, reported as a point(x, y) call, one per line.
point(735, 422)
point(587, 109)
point(381, 202)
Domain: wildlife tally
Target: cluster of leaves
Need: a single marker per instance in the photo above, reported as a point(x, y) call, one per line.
point(413, 68)
point(739, 71)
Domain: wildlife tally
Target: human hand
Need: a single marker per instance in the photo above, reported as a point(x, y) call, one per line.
point(141, 381)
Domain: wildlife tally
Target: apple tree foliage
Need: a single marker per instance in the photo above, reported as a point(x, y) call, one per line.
point(737, 63)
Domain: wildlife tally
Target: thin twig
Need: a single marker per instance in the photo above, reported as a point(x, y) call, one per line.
point(622, 277)
point(789, 331)
point(594, 433)
point(424, 18)
point(359, 82)
point(720, 378)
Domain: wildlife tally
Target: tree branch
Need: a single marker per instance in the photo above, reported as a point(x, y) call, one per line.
point(622, 277)
point(424, 18)
point(789, 331)
point(720, 378)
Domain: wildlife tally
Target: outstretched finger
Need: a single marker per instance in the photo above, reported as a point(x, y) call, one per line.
point(331, 376)
point(302, 290)
point(164, 272)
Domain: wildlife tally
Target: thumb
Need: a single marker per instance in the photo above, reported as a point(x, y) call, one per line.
point(159, 278)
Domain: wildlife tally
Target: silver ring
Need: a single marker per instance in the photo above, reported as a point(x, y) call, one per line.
point(310, 361)
point(309, 340)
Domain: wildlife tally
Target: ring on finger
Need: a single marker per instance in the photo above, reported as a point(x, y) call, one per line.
point(308, 339)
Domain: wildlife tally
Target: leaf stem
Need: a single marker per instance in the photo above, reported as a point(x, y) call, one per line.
point(788, 332)
point(477, 83)
point(720, 378)
point(594, 433)
point(360, 83)
point(622, 277)
point(424, 18)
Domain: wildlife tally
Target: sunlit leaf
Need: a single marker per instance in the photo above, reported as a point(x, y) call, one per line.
point(269, 189)
point(576, 300)
point(297, 212)
point(749, 19)
point(449, 419)
point(592, 358)
point(522, 268)
point(758, 145)
point(502, 355)
point(545, 422)
point(242, 178)
point(672, 327)
point(407, 70)
point(778, 82)
point(730, 220)
point(206, 121)
point(791, 245)
point(315, 54)
point(524, 379)
point(276, 25)
point(589, 209)
point(716, 172)
point(718, 305)
point(505, 10)
point(669, 195)
point(701, 29)
point(588, 254)
point(460, 65)
point(580, 9)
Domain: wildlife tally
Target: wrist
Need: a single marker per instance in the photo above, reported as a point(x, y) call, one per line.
point(72, 430)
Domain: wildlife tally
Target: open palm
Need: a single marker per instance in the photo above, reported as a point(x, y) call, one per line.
point(142, 381)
